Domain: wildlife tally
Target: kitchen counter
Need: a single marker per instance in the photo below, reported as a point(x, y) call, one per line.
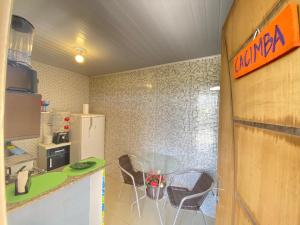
point(57, 181)
point(15, 159)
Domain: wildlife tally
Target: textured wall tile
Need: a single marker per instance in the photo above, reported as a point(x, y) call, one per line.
point(167, 109)
point(65, 90)
point(204, 112)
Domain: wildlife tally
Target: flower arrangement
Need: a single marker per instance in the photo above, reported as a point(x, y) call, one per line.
point(154, 180)
point(155, 186)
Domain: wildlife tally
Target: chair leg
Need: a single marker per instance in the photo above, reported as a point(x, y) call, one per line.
point(120, 192)
point(137, 201)
point(176, 216)
point(144, 196)
point(140, 198)
point(165, 202)
point(204, 219)
point(145, 192)
point(193, 219)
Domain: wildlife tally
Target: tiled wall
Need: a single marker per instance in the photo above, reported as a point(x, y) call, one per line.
point(65, 90)
point(168, 109)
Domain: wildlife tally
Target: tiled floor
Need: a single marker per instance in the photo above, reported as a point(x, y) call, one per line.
point(118, 210)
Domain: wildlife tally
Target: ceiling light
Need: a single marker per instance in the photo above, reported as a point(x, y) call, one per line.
point(149, 85)
point(79, 58)
point(79, 55)
point(215, 88)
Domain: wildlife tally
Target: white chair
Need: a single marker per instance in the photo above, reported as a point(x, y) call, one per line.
point(132, 177)
point(183, 198)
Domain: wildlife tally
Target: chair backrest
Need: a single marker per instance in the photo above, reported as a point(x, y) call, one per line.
point(125, 163)
point(203, 183)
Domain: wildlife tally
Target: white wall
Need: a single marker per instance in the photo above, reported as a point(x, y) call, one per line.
point(65, 90)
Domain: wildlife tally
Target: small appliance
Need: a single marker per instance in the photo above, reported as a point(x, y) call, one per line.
point(21, 78)
point(53, 156)
point(23, 181)
point(60, 137)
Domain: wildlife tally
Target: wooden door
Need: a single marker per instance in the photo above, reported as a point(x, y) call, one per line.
point(264, 178)
point(5, 15)
point(226, 150)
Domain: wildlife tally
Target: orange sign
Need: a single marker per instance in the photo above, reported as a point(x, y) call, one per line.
point(277, 38)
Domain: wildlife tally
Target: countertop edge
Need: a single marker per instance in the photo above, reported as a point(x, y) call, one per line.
point(69, 181)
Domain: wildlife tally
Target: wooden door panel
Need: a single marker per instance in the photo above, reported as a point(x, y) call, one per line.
point(226, 152)
point(268, 178)
point(5, 19)
point(267, 163)
point(270, 94)
point(241, 218)
point(244, 18)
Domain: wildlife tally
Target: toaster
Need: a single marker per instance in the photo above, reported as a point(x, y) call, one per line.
point(60, 137)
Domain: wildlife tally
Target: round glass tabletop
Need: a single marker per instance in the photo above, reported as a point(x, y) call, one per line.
point(158, 163)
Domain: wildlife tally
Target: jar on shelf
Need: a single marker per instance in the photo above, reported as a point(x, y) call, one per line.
point(21, 40)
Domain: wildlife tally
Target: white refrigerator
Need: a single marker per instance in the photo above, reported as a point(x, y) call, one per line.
point(87, 136)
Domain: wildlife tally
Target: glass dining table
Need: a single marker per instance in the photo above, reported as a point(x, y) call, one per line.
point(157, 167)
point(159, 163)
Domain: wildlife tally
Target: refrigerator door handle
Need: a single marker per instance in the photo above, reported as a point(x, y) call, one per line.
point(91, 125)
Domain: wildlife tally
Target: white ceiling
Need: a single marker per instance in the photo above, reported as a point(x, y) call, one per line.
point(121, 35)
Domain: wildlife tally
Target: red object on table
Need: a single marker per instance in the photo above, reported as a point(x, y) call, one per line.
point(155, 179)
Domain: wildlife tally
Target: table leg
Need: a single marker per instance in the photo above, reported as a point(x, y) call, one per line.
point(159, 214)
point(157, 198)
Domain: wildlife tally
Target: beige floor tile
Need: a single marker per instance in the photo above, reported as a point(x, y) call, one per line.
point(118, 210)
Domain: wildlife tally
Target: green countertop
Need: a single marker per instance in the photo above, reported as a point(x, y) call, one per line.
point(39, 185)
point(74, 172)
point(45, 183)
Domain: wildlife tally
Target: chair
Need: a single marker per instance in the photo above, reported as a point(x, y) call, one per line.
point(183, 198)
point(132, 177)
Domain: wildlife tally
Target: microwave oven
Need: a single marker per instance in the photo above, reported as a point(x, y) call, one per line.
point(53, 156)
